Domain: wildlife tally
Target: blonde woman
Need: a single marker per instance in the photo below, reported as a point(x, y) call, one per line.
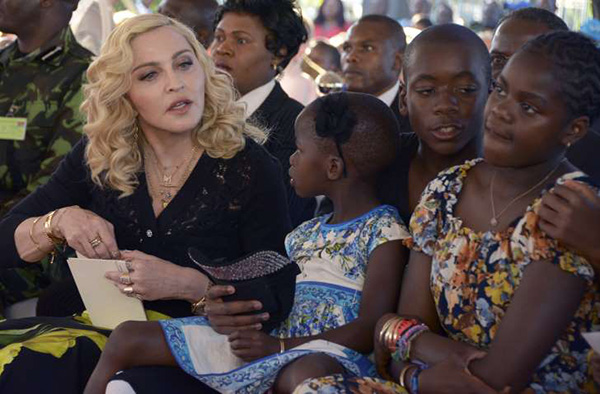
point(168, 162)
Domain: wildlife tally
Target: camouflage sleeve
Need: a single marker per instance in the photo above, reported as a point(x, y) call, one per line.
point(68, 129)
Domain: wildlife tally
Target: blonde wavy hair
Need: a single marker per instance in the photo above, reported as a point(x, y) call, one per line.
point(114, 150)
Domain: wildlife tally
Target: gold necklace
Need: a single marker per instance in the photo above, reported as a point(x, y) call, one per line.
point(166, 195)
point(167, 179)
point(494, 220)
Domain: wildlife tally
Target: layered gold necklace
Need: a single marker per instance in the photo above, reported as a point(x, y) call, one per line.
point(167, 185)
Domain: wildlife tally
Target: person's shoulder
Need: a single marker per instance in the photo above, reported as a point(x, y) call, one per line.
point(284, 103)
point(256, 155)
point(75, 50)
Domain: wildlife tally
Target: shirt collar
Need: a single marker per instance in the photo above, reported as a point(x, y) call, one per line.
point(52, 52)
point(388, 96)
point(256, 97)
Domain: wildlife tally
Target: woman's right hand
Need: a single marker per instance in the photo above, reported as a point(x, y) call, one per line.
point(227, 317)
point(86, 232)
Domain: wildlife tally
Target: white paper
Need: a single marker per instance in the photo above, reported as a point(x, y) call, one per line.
point(593, 338)
point(105, 303)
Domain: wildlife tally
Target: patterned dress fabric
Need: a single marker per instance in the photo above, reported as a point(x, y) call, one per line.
point(474, 276)
point(333, 260)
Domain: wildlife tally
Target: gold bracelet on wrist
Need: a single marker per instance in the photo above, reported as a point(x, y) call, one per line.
point(403, 373)
point(56, 241)
point(198, 307)
point(384, 329)
point(36, 243)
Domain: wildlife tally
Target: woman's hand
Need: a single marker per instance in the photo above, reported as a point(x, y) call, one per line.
point(86, 232)
point(452, 376)
point(152, 278)
point(227, 317)
point(571, 214)
point(250, 345)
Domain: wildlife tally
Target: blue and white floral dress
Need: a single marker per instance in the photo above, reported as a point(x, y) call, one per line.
point(333, 259)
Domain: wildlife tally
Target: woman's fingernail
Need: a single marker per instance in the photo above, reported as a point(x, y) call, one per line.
point(264, 316)
point(257, 306)
point(258, 326)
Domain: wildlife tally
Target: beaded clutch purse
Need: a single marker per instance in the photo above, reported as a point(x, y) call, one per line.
point(265, 276)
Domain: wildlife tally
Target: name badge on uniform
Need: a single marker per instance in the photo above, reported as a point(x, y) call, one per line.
point(12, 128)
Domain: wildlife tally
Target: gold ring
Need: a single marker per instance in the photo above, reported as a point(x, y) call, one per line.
point(96, 241)
point(125, 279)
point(128, 291)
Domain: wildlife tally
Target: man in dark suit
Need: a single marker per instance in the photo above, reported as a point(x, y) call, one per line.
point(372, 60)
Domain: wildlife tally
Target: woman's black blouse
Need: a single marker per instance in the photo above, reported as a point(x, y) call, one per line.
point(227, 208)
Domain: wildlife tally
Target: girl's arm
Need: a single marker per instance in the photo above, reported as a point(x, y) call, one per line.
point(416, 301)
point(380, 295)
point(542, 307)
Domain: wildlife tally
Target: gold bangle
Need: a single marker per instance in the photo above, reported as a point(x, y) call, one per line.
point(37, 245)
point(198, 307)
point(281, 345)
point(402, 378)
point(48, 230)
point(385, 327)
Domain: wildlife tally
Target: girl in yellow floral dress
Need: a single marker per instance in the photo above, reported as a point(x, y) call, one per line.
point(498, 305)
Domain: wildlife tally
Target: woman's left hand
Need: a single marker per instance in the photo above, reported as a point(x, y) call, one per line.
point(250, 345)
point(150, 277)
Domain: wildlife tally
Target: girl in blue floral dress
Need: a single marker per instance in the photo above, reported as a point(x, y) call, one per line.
point(501, 306)
point(351, 262)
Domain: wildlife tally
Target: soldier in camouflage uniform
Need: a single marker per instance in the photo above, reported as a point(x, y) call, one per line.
point(40, 79)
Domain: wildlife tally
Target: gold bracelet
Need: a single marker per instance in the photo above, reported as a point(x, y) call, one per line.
point(385, 327)
point(198, 307)
point(402, 378)
point(48, 230)
point(37, 245)
point(281, 345)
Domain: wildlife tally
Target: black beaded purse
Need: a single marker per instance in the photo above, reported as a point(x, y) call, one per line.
point(265, 276)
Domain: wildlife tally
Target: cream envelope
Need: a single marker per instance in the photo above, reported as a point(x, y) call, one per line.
point(593, 338)
point(105, 303)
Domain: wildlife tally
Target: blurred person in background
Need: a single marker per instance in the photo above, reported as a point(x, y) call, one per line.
point(372, 60)
point(443, 14)
point(92, 22)
point(199, 15)
point(330, 19)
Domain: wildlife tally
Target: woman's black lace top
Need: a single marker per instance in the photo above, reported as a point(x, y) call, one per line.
point(226, 208)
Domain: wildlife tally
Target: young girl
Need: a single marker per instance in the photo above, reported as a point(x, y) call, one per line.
point(500, 305)
point(351, 262)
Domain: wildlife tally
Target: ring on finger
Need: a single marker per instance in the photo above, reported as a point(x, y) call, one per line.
point(96, 241)
point(128, 291)
point(125, 279)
